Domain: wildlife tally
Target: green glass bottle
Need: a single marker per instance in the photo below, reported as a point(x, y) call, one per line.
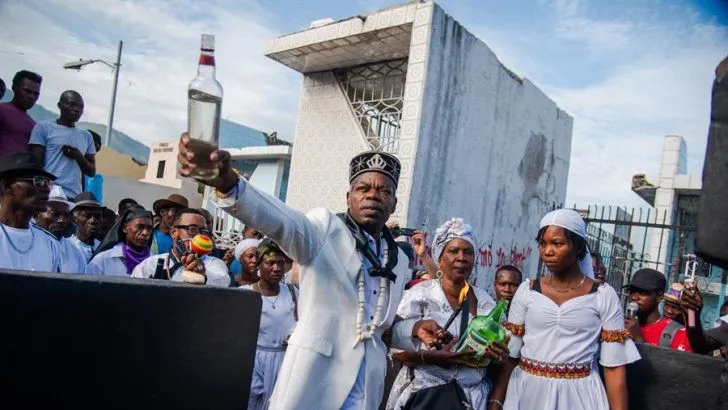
point(481, 332)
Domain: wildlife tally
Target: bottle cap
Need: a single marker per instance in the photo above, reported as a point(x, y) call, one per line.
point(208, 42)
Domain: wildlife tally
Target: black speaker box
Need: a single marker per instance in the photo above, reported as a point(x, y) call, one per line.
point(88, 342)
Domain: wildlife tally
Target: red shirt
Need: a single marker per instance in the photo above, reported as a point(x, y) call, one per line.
point(15, 128)
point(652, 333)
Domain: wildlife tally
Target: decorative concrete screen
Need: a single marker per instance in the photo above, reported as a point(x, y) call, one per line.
point(376, 95)
point(475, 140)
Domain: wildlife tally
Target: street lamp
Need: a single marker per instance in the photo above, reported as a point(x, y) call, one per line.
point(76, 65)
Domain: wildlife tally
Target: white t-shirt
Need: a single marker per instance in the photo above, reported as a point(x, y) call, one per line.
point(53, 137)
point(31, 249)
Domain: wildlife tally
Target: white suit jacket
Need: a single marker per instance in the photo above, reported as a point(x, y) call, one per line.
point(322, 362)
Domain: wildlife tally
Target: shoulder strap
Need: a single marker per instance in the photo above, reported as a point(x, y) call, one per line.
point(668, 333)
point(159, 270)
point(295, 301)
point(464, 316)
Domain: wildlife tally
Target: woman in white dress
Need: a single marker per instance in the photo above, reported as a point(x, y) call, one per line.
point(436, 299)
point(278, 318)
point(560, 325)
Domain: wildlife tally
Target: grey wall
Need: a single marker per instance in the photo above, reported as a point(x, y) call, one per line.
point(492, 149)
point(116, 189)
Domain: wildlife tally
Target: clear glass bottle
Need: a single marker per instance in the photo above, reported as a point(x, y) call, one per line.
point(481, 332)
point(203, 110)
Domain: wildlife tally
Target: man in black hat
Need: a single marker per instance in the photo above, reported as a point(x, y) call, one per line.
point(24, 190)
point(352, 276)
point(647, 289)
point(165, 209)
point(87, 220)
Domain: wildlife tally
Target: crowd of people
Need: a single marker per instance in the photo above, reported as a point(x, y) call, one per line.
point(341, 293)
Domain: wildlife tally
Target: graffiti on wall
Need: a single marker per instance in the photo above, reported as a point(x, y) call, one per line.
point(496, 258)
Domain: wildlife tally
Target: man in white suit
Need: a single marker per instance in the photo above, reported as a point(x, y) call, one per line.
point(352, 276)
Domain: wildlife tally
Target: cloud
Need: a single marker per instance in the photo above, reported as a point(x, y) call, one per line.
point(161, 46)
point(629, 74)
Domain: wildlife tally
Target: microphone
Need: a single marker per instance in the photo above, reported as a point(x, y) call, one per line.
point(632, 308)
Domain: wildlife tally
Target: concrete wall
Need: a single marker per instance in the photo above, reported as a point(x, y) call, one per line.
point(475, 140)
point(491, 148)
point(167, 152)
point(116, 189)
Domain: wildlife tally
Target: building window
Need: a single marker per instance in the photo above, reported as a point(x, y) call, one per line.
point(376, 95)
point(160, 169)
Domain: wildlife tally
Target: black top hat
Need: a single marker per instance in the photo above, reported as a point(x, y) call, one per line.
point(373, 161)
point(23, 163)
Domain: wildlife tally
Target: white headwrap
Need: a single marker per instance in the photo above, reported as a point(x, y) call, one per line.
point(245, 244)
point(455, 228)
point(571, 220)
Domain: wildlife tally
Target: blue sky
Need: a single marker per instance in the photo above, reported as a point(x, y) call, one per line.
point(629, 72)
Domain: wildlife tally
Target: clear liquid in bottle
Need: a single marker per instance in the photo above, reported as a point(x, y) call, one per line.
point(204, 128)
point(204, 107)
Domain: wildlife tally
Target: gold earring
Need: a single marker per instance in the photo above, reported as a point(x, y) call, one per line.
point(439, 273)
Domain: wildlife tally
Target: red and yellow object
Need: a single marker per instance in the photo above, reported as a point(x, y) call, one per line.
point(201, 245)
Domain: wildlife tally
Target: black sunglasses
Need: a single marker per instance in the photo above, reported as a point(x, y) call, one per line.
point(193, 229)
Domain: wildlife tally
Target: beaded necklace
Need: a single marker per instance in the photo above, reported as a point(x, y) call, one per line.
point(367, 332)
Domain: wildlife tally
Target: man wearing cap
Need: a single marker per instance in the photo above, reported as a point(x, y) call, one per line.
point(647, 289)
point(352, 276)
point(24, 189)
point(87, 220)
point(165, 210)
point(56, 219)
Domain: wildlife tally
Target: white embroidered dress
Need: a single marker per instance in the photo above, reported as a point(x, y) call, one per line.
point(566, 334)
point(426, 300)
point(277, 321)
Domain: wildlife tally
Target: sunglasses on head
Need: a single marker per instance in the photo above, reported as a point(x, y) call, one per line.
point(38, 181)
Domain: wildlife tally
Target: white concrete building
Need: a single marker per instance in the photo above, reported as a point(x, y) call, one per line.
point(475, 140)
point(676, 198)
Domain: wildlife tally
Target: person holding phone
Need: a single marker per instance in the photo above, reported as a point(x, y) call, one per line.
point(182, 265)
point(705, 342)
